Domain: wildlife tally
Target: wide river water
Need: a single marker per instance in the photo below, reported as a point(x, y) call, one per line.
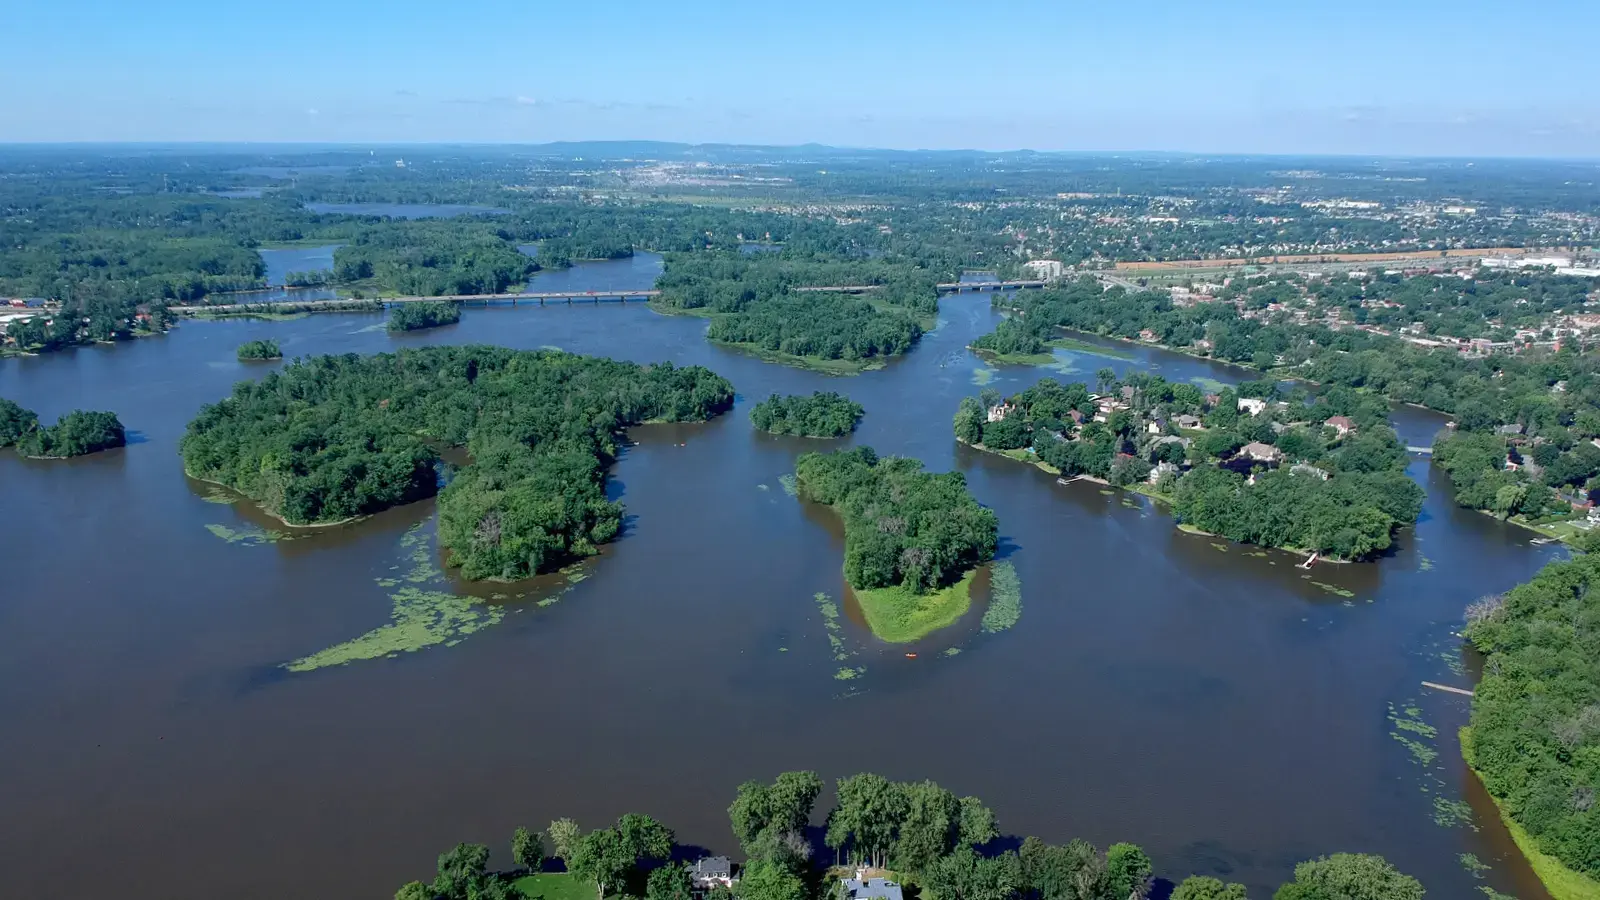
point(1228, 711)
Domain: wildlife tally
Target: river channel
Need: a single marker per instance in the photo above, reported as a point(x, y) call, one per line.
point(1228, 711)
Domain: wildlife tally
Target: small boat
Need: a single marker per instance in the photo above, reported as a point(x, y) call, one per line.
point(1310, 561)
point(911, 656)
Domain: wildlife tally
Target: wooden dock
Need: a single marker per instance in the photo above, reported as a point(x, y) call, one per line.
point(1446, 687)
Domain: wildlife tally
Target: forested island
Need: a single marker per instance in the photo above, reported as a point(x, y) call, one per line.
point(424, 314)
point(913, 835)
point(78, 433)
point(256, 351)
point(824, 414)
point(331, 438)
point(1324, 475)
point(1017, 340)
point(913, 539)
point(1534, 737)
point(760, 302)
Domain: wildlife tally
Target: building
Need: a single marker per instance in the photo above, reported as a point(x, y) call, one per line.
point(996, 413)
point(1252, 405)
point(1261, 452)
point(1342, 424)
point(711, 871)
point(1187, 421)
point(1045, 269)
point(863, 888)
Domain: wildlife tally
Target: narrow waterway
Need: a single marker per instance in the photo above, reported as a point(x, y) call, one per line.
point(1213, 703)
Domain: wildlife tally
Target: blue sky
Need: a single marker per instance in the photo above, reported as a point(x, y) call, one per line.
point(1407, 77)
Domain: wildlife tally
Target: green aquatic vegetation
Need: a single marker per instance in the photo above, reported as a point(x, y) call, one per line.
point(982, 375)
point(1408, 722)
point(218, 496)
point(1334, 589)
point(420, 619)
point(1072, 345)
point(1451, 813)
point(830, 624)
point(1005, 598)
point(248, 535)
point(849, 674)
point(1209, 385)
point(790, 485)
point(951, 651)
point(1222, 547)
point(1424, 564)
point(1493, 894)
point(1473, 864)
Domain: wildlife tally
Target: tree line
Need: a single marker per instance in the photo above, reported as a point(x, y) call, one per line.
point(1534, 736)
point(259, 350)
point(824, 414)
point(903, 526)
point(77, 433)
point(939, 845)
point(335, 437)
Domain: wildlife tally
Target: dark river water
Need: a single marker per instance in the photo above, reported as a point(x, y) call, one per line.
point(1219, 706)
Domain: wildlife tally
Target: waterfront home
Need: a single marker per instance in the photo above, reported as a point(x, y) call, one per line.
point(1252, 405)
point(711, 871)
point(1342, 424)
point(1187, 421)
point(864, 888)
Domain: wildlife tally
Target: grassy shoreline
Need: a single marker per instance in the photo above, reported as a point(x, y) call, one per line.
point(1562, 883)
point(810, 363)
point(898, 616)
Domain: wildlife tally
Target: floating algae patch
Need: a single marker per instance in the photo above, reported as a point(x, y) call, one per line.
point(1414, 734)
point(1473, 864)
point(830, 624)
point(1424, 564)
point(1217, 546)
point(849, 674)
point(218, 496)
point(790, 485)
point(420, 619)
point(951, 651)
point(1334, 589)
point(1005, 599)
point(249, 535)
point(1451, 813)
point(982, 375)
point(1209, 385)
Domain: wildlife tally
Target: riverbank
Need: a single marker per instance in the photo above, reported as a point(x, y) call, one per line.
point(286, 523)
point(898, 616)
point(1562, 883)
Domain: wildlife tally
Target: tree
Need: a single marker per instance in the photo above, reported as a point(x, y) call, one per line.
point(414, 890)
point(969, 421)
point(603, 857)
point(964, 875)
point(929, 827)
point(527, 849)
point(764, 880)
point(669, 883)
point(564, 837)
point(869, 810)
point(1128, 872)
point(977, 823)
point(462, 871)
point(1349, 876)
point(1204, 887)
point(15, 422)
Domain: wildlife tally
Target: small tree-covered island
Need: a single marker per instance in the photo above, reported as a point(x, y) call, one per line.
point(259, 351)
point(883, 840)
point(333, 438)
point(824, 414)
point(913, 540)
point(418, 315)
point(1324, 476)
point(78, 433)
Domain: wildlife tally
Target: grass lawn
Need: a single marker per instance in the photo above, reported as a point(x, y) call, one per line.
point(898, 616)
point(553, 886)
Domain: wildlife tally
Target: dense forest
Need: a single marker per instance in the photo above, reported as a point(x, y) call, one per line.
point(259, 350)
point(427, 314)
point(430, 258)
point(1535, 731)
point(903, 526)
point(824, 414)
point(1016, 337)
point(335, 437)
point(1324, 474)
point(949, 847)
point(77, 433)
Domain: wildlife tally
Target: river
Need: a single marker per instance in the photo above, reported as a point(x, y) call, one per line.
point(1224, 709)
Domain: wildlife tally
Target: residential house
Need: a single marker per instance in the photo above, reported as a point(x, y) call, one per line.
point(1308, 469)
point(1162, 469)
point(1191, 422)
point(996, 413)
point(710, 872)
point(1252, 405)
point(1511, 429)
point(1342, 424)
point(1261, 452)
point(864, 888)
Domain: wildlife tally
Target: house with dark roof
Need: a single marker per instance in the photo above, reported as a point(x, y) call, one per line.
point(711, 871)
point(863, 888)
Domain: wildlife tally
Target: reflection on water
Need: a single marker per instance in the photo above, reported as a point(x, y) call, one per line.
point(1207, 700)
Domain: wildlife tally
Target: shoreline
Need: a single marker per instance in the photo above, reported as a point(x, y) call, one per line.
point(942, 608)
point(286, 523)
point(1562, 882)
